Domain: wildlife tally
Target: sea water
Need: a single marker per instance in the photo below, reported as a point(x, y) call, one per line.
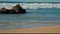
point(33, 17)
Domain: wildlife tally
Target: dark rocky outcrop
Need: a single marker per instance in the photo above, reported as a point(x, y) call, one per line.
point(4, 11)
point(15, 10)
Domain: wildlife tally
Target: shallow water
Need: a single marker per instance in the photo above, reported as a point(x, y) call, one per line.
point(33, 18)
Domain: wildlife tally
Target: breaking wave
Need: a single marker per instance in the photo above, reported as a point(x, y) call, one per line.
point(30, 5)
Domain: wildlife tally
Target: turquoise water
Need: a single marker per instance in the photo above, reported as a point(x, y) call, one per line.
point(33, 18)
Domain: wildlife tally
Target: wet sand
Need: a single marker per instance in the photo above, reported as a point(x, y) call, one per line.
point(39, 29)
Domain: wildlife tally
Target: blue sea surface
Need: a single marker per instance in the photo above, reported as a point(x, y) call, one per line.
point(33, 15)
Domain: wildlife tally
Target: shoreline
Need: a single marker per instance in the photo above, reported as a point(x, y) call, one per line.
point(39, 29)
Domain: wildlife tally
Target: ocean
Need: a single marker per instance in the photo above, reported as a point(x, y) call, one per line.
point(38, 14)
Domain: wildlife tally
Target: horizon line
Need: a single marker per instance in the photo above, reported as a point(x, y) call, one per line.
point(25, 2)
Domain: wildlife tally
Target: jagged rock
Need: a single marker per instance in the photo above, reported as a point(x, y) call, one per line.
point(18, 9)
point(4, 10)
point(15, 10)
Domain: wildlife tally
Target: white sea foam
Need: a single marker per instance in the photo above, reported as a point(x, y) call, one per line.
point(30, 5)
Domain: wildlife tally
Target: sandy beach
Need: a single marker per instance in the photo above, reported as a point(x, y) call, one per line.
point(39, 29)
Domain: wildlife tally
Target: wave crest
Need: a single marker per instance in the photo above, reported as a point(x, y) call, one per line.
point(30, 5)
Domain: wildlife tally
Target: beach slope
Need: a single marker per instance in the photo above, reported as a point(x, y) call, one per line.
point(41, 29)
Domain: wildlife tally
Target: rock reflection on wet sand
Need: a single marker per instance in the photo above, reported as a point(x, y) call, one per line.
point(14, 25)
point(24, 23)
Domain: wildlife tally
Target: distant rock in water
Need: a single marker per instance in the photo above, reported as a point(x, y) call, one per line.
point(15, 10)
